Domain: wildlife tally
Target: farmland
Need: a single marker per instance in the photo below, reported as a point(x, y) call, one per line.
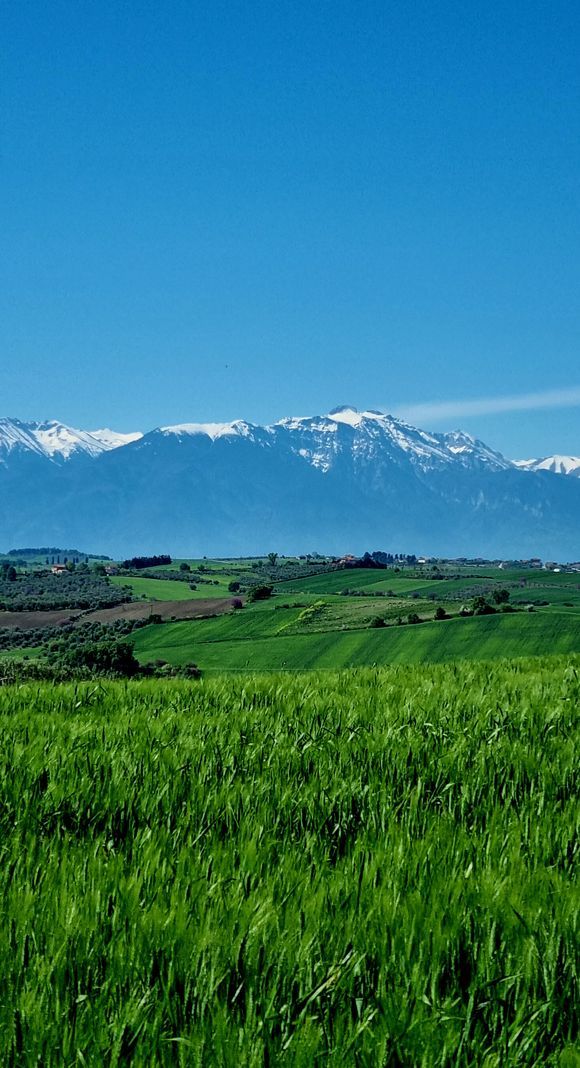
point(232, 643)
point(316, 614)
point(360, 868)
point(167, 589)
point(326, 620)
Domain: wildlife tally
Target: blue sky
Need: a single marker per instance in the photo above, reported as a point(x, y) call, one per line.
point(225, 209)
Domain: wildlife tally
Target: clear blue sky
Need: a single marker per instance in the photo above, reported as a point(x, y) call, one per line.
point(222, 209)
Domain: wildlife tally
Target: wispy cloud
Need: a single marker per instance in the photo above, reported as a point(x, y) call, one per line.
point(443, 411)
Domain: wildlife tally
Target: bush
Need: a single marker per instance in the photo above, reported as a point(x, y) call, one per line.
point(260, 593)
point(378, 621)
point(481, 607)
point(234, 586)
point(184, 566)
point(440, 613)
point(190, 671)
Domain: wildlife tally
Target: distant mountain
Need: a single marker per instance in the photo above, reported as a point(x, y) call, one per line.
point(560, 465)
point(55, 441)
point(345, 481)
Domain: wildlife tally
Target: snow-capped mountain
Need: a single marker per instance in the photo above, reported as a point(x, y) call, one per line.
point(369, 435)
point(560, 465)
point(341, 482)
point(55, 441)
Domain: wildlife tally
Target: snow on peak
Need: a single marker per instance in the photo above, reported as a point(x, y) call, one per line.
point(56, 440)
point(560, 465)
point(110, 439)
point(346, 413)
point(211, 430)
point(374, 435)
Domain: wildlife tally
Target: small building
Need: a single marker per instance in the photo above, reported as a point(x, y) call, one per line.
point(58, 569)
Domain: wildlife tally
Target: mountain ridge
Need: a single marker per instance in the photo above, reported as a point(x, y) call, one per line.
point(57, 440)
point(344, 481)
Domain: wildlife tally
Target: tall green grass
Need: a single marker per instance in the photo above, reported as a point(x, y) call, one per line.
point(367, 868)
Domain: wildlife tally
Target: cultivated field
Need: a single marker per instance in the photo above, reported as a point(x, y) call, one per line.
point(368, 868)
point(265, 637)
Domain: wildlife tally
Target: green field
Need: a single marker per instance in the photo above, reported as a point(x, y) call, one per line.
point(168, 589)
point(525, 583)
point(359, 869)
point(249, 640)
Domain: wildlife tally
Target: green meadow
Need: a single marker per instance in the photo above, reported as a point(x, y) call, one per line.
point(362, 868)
point(155, 589)
point(250, 640)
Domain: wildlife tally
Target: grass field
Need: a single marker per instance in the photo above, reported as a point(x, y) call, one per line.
point(169, 589)
point(528, 584)
point(258, 641)
point(348, 869)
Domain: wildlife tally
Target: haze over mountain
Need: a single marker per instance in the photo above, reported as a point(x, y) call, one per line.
point(345, 481)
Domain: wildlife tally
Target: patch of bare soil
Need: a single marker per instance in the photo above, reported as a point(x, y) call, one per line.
point(214, 606)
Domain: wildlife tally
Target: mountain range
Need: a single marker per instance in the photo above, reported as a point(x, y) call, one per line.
point(342, 482)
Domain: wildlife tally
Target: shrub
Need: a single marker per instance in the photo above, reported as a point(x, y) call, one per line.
point(260, 593)
point(481, 607)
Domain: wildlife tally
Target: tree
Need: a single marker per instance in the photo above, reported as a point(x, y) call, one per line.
point(104, 658)
point(272, 557)
point(234, 586)
point(482, 608)
point(184, 566)
point(501, 596)
point(440, 613)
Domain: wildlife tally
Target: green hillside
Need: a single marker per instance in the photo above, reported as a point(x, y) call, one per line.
point(258, 642)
